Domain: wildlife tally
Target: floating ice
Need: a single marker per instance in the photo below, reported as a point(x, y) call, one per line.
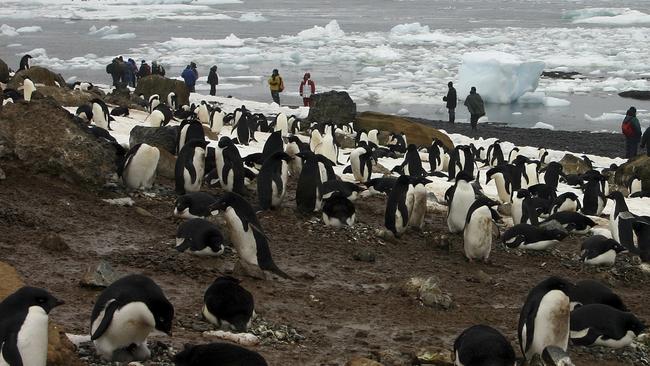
point(30, 29)
point(252, 17)
point(544, 126)
point(330, 31)
point(605, 117)
point(7, 30)
point(498, 77)
point(541, 98)
point(607, 16)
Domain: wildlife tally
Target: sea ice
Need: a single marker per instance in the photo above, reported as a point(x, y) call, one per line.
point(498, 77)
point(544, 126)
point(608, 16)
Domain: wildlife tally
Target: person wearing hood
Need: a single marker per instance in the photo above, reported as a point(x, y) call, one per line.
point(145, 69)
point(157, 69)
point(190, 75)
point(276, 85)
point(115, 69)
point(451, 100)
point(213, 80)
point(307, 89)
point(132, 70)
point(632, 132)
point(475, 106)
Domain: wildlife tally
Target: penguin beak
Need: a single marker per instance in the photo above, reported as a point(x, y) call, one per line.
point(58, 302)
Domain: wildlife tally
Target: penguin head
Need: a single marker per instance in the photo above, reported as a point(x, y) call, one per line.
point(224, 142)
point(163, 313)
point(522, 193)
point(557, 234)
point(556, 283)
point(464, 176)
point(613, 244)
point(281, 155)
point(635, 325)
point(615, 196)
point(33, 296)
point(412, 148)
point(227, 200)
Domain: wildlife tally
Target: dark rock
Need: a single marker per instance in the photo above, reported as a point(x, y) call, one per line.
point(332, 106)
point(54, 242)
point(39, 75)
point(636, 94)
point(362, 361)
point(364, 256)
point(572, 164)
point(416, 133)
point(390, 357)
point(166, 164)
point(100, 275)
point(156, 84)
point(65, 96)
point(432, 295)
point(27, 135)
point(639, 165)
point(560, 74)
point(345, 141)
point(4, 72)
point(160, 137)
point(123, 97)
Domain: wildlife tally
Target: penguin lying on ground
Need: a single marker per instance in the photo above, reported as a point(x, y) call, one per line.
point(200, 237)
point(587, 292)
point(529, 237)
point(194, 205)
point(338, 210)
point(483, 345)
point(228, 305)
point(140, 163)
point(602, 325)
point(218, 354)
point(599, 250)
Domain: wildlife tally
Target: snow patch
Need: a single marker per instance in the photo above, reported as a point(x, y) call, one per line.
point(544, 126)
point(607, 16)
point(252, 17)
point(8, 31)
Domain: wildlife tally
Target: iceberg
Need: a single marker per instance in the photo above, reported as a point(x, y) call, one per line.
point(499, 77)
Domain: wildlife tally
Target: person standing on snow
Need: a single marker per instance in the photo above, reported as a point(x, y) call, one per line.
point(475, 106)
point(307, 89)
point(632, 132)
point(451, 100)
point(276, 85)
point(213, 80)
point(190, 75)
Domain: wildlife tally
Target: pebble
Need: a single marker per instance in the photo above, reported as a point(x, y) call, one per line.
point(100, 275)
point(364, 256)
point(142, 212)
point(54, 242)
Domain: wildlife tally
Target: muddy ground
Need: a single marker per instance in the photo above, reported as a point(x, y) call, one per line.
point(341, 306)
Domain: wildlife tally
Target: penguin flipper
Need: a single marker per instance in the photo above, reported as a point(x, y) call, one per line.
point(265, 260)
point(278, 183)
point(10, 351)
point(190, 169)
point(106, 320)
point(183, 246)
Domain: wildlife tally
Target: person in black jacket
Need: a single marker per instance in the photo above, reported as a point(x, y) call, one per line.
point(213, 80)
point(645, 140)
point(451, 100)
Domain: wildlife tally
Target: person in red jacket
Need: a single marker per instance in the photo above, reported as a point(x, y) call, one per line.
point(307, 89)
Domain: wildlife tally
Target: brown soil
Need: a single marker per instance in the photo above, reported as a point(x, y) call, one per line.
point(341, 306)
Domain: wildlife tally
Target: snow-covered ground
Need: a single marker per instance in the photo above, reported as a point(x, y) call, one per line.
point(123, 125)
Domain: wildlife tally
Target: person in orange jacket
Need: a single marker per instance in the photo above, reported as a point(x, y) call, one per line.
point(307, 89)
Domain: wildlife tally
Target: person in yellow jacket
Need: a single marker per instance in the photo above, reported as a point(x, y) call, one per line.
point(276, 85)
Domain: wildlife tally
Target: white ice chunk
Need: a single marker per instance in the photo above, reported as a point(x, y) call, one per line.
point(544, 126)
point(498, 77)
point(608, 16)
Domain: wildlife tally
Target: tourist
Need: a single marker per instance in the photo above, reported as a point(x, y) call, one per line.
point(451, 100)
point(276, 85)
point(133, 71)
point(645, 140)
point(115, 69)
point(632, 132)
point(474, 104)
point(307, 92)
point(190, 75)
point(145, 69)
point(213, 80)
point(157, 69)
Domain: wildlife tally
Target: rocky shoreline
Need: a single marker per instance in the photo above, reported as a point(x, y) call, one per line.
point(611, 145)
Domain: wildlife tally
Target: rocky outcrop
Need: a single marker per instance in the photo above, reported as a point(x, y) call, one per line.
point(572, 164)
point(123, 97)
point(65, 96)
point(560, 74)
point(39, 75)
point(156, 84)
point(43, 138)
point(60, 352)
point(332, 106)
point(636, 94)
point(640, 166)
point(416, 133)
point(160, 137)
point(4, 72)
point(166, 165)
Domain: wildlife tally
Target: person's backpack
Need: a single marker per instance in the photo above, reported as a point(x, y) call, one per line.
point(109, 68)
point(281, 85)
point(628, 128)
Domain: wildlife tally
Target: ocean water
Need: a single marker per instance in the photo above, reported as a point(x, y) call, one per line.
point(391, 56)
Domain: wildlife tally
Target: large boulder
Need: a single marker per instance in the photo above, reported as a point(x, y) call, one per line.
point(44, 138)
point(160, 137)
point(123, 97)
point(636, 94)
point(65, 96)
point(572, 164)
point(4, 72)
point(156, 84)
point(332, 106)
point(416, 133)
point(39, 75)
point(60, 352)
point(640, 166)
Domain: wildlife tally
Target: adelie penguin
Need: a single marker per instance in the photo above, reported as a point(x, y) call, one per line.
point(228, 305)
point(246, 234)
point(412, 164)
point(154, 101)
point(194, 205)
point(199, 237)
point(620, 220)
point(85, 112)
point(160, 116)
point(28, 89)
point(281, 124)
point(382, 185)
point(599, 250)
point(572, 221)
point(190, 129)
point(361, 163)
point(124, 315)
point(477, 234)
point(502, 182)
point(24, 326)
point(139, 169)
point(594, 200)
point(552, 173)
point(203, 113)
point(416, 201)
point(593, 292)
point(120, 111)
point(230, 166)
point(225, 354)
point(272, 180)
point(459, 203)
point(217, 120)
point(295, 146)
point(171, 101)
point(544, 318)
point(190, 166)
point(396, 217)
point(529, 237)
point(602, 325)
point(100, 114)
point(338, 210)
point(481, 345)
point(310, 187)
point(566, 202)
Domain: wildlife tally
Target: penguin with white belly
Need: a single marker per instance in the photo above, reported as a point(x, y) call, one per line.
point(552, 173)
point(100, 115)
point(203, 113)
point(459, 203)
point(310, 186)
point(529, 237)
point(139, 169)
point(477, 234)
point(338, 210)
point(194, 205)
point(190, 129)
point(295, 146)
point(396, 217)
point(230, 166)
point(154, 101)
point(594, 200)
point(566, 202)
point(502, 182)
point(216, 120)
point(24, 326)
point(190, 167)
point(416, 201)
point(272, 180)
point(28, 89)
point(587, 292)
point(281, 124)
point(620, 220)
point(361, 163)
point(599, 250)
point(602, 325)
point(247, 236)
point(544, 318)
point(124, 315)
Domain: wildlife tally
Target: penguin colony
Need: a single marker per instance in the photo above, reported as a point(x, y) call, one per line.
point(554, 314)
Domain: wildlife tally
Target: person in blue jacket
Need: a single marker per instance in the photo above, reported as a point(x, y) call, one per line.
point(190, 75)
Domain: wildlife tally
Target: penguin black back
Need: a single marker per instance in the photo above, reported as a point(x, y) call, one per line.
point(222, 354)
